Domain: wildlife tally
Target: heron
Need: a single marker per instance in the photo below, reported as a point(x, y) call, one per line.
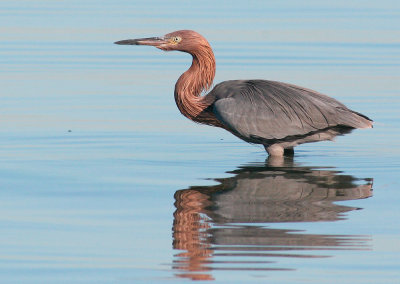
point(277, 115)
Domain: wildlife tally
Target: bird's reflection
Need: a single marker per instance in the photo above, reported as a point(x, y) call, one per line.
point(219, 227)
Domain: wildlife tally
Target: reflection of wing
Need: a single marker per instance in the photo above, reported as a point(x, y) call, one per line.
point(204, 216)
point(285, 196)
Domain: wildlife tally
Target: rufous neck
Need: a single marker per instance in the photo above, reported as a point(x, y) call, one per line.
point(197, 79)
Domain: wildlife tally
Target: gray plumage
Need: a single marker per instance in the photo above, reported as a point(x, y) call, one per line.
point(281, 115)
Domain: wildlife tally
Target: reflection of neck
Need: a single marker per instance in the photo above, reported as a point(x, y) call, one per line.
point(194, 81)
point(189, 232)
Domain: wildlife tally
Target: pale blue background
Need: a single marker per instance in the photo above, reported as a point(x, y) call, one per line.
point(95, 204)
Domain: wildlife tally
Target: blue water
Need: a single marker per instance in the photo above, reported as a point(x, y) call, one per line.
point(103, 181)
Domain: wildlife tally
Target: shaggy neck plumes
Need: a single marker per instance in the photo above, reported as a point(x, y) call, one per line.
point(194, 81)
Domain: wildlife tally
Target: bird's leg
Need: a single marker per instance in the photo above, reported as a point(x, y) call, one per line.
point(279, 161)
point(274, 150)
point(275, 161)
point(288, 151)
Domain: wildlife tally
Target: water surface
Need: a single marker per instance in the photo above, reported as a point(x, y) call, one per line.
point(103, 181)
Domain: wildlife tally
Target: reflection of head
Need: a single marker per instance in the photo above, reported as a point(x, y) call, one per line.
point(279, 192)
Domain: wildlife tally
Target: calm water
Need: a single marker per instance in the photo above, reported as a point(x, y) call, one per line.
point(103, 181)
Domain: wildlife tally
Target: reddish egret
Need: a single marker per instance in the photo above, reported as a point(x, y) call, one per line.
point(277, 115)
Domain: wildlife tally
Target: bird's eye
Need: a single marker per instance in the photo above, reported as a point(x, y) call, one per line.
point(176, 39)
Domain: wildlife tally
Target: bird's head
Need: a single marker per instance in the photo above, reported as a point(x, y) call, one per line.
point(183, 40)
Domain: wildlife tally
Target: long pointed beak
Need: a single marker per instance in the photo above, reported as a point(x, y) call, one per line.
point(153, 41)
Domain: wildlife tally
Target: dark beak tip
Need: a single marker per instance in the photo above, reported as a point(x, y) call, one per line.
point(120, 42)
point(127, 42)
point(153, 41)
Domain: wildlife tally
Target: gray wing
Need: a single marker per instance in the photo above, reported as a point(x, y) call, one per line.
point(274, 110)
